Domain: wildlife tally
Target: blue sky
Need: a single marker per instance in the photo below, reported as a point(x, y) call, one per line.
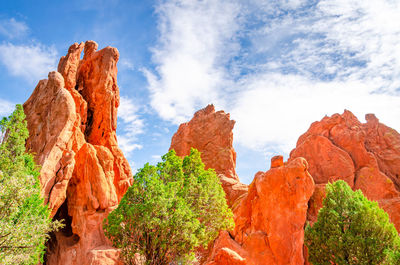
point(276, 66)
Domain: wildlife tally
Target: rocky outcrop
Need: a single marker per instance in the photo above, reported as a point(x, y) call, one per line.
point(365, 155)
point(210, 132)
point(270, 217)
point(72, 121)
point(269, 221)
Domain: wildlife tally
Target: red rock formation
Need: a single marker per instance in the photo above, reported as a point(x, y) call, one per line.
point(269, 221)
point(270, 217)
point(72, 119)
point(367, 156)
point(384, 143)
point(228, 256)
point(210, 132)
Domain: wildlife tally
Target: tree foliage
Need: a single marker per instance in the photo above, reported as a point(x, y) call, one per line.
point(24, 219)
point(350, 229)
point(169, 211)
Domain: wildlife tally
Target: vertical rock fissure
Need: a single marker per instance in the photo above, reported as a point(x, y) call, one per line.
point(89, 123)
point(62, 216)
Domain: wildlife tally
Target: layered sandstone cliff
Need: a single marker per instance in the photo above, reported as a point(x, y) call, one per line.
point(72, 121)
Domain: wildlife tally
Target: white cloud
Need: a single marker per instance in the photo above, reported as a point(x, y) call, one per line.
point(277, 66)
point(156, 157)
point(126, 64)
point(132, 125)
point(191, 52)
point(32, 62)
point(276, 109)
point(11, 28)
point(127, 144)
point(6, 107)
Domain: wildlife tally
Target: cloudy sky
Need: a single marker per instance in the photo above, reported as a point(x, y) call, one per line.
point(276, 66)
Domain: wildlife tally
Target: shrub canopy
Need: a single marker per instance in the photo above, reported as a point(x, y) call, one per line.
point(24, 219)
point(350, 229)
point(169, 211)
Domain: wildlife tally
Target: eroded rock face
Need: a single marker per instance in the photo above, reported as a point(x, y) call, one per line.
point(72, 120)
point(269, 221)
point(210, 132)
point(51, 114)
point(270, 217)
point(366, 156)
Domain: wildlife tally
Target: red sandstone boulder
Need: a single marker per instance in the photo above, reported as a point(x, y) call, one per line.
point(210, 132)
point(72, 121)
point(226, 256)
point(277, 161)
point(327, 162)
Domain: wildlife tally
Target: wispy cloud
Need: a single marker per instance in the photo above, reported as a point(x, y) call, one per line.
point(126, 64)
point(193, 47)
point(132, 125)
point(277, 66)
point(275, 109)
point(12, 29)
point(6, 107)
point(31, 62)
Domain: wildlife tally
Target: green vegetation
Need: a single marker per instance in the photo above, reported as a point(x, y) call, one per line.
point(350, 229)
point(169, 211)
point(24, 219)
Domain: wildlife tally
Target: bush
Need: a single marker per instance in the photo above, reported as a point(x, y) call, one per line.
point(350, 229)
point(169, 211)
point(24, 219)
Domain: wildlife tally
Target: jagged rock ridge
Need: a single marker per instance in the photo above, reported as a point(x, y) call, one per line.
point(270, 217)
point(365, 155)
point(72, 121)
point(262, 234)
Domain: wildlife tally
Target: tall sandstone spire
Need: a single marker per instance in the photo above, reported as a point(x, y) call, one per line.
point(210, 132)
point(72, 121)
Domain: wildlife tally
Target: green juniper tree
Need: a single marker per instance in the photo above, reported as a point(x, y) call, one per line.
point(24, 219)
point(350, 229)
point(169, 211)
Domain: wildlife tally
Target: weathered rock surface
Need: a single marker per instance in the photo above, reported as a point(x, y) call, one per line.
point(270, 217)
point(72, 121)
point(227, 256)
point(210, 132)
point(365, 155)
point(269, 221)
